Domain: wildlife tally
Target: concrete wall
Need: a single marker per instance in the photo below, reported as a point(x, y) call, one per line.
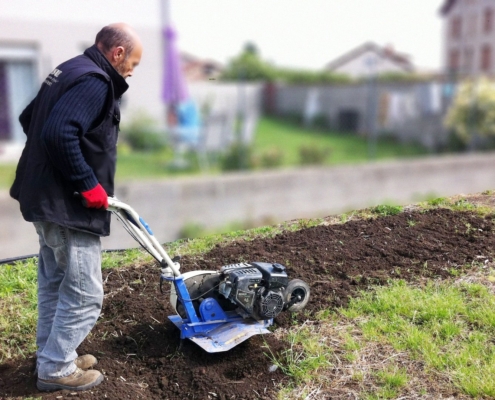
point(278, 195)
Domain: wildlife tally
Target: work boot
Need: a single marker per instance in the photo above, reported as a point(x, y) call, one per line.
point(78, 380)
point(86, 361)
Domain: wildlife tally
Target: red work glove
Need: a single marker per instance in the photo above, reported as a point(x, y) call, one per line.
point(95, 198)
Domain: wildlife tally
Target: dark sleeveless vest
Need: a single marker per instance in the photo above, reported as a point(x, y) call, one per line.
point(43, 193)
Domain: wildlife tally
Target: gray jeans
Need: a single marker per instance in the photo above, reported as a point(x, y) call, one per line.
point(70, 296)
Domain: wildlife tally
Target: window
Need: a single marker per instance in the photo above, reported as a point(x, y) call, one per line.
point(486, 58)
point(456, 28)
point(488, 20)
point(17, 87)
point(454, 58)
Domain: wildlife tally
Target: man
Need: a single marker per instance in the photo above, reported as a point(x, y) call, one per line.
point(72, 127)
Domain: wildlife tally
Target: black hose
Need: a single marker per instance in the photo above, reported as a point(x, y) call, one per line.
point(13, 260)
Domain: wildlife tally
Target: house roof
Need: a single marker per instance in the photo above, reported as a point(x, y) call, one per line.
point(189, 59)
point(386, 52)
point(447, 6)
point(195, 68)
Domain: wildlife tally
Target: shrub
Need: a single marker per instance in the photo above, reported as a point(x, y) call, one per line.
point(320, 121)
point(237, 157)
point(141, 133)
point(313, 154)
point(473, 110)
point(271, 158)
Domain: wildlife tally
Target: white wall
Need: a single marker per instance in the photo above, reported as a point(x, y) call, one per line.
point(61, 29)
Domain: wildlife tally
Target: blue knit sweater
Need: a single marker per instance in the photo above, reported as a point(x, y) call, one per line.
point(78, 111)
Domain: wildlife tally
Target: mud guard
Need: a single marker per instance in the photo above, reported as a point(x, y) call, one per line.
point(227, 335)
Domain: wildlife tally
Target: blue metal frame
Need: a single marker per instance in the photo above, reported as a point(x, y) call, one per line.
point(214, 329)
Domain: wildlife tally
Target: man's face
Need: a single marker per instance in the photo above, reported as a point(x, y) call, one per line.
point(125, 68)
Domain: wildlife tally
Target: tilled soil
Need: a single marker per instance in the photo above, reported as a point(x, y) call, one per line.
point(138, 348)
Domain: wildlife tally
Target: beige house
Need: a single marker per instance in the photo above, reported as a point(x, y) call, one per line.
point(469, 37)
point(370, 59)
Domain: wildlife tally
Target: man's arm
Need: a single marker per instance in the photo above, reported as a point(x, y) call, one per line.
point(71, 117)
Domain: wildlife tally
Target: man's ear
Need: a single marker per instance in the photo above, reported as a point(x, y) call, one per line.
point(118, 54)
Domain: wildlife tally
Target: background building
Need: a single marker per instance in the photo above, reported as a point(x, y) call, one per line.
point(370, 59)
point(469, 37)
point(37, 36)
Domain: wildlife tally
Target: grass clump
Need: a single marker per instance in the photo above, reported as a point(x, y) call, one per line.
point(307, 355)
point(438, 201)
point(448, 326)
point(390, 381)
point(18, 309)
point(386, 210)
point(114, 259)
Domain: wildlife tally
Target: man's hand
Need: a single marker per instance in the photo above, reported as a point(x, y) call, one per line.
point(95, 198)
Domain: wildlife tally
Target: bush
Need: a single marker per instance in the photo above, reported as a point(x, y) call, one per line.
point(472, 112)
point(237, 157)
point(319, 121)
point(271, 158)
point(313, 154)
point(142, 134)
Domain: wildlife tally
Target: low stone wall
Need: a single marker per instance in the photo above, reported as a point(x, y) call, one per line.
point(271, 196)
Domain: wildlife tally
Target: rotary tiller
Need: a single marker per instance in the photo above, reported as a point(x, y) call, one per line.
point(219, 309)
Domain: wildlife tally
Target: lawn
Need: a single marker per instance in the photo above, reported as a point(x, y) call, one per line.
point(283, 138)
point(344, 147)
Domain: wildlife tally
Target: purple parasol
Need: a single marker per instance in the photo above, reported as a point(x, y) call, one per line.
point(174, 86)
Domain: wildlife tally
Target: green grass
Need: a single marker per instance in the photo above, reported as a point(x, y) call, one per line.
point(449, 327)
point(305, 355)
point(385, 210)
point(345, 147)
point(18, 309)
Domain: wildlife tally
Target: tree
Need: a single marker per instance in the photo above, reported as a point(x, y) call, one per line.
point(472, 112)
point(248, 66)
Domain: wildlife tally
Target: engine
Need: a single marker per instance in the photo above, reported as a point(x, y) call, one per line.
point(256, 288)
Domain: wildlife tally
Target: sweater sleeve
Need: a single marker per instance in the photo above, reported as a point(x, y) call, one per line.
point(72, 116)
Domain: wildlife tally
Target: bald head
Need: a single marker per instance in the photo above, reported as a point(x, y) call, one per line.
point(120, 43)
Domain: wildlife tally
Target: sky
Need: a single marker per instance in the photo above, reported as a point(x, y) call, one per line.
point(308, 33)
point(291, 33)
